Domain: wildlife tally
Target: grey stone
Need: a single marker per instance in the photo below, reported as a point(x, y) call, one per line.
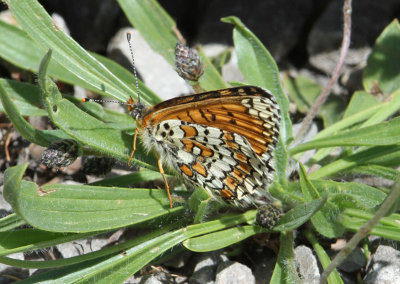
point(355, 261)
point(231, 272)
point(385, 266)
point(306, 264)
point(204, 270)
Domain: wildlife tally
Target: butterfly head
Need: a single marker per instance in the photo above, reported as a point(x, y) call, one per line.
point(136, 108)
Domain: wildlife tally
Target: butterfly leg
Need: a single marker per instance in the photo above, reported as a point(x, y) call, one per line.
point(134, 146)
point(165, 181)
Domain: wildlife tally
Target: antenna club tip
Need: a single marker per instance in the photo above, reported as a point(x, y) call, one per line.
point(84, 100)
point(128, 36)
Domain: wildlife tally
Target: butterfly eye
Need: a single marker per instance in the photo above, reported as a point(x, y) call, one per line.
point(137, 110)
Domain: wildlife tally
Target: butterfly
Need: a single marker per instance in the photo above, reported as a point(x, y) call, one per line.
point(222, 140)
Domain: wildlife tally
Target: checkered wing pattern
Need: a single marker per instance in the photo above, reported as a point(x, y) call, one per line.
point(222, 140)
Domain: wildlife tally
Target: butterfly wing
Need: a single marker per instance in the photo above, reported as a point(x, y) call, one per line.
point(222, 140)
point(249, 111)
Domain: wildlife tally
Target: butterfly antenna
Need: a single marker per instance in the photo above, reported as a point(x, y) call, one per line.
point(85, 100)
point(128, 37)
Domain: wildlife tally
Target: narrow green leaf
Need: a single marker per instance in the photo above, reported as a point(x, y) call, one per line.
point(10, 222)
point(387, 227)
point(347, 195)
point(381, 155)
point(221, 239)
point(259, 68)
point(303, 92)
point(154, 24)
point(25, 96)
point(143, 175)
point(285, 268)
point(382, 66)
point(121, 266)
point(373, 115)
point(12, 181)
point(67, 52)
point(80, 208)
point(300, 214)
point(325, 220)
point(44, 239)
point(385, 133)
point(12, 49)
point(375, 170)
point(23, 127)
point(307, 188)
point(359, 102)
point(30, 239)
point(211, 79)
point(334, 277)
point(83, 127)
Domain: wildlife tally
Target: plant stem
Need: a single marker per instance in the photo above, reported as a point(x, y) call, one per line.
point(335, 74)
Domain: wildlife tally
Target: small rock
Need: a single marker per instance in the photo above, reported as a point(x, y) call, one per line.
point(306, 264)
point(204, 270)
point(385, 267)
point(231, 272)
point(355, 261)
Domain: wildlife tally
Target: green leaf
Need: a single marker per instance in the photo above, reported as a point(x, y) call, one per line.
point(221, 239)
point(375, 170)
point(211, 78)
point(303, 92)
point(385, 133)
point(23, 127)
point(325, 220)
point(10, 222)
point(143, 175)
point(259, 68)
point(80, 208)
point(300, 214)
point(66, 52)
point(387, 227)
point(81, 126)
point(307, 188)
point(121, 266)
point(359, 102)
point(26, 97)
point(30, 239)
point(154, 24)
point(285, 268)
point(29, 58)
point(382, 66)
point(12, 181)
point(334, 277)
point(360, 195)
point(373, 115)
point(381, 155)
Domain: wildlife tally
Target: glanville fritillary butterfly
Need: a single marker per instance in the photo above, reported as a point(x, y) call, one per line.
point(222, 140)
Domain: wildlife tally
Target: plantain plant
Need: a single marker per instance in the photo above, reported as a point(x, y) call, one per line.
point(367, 133)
